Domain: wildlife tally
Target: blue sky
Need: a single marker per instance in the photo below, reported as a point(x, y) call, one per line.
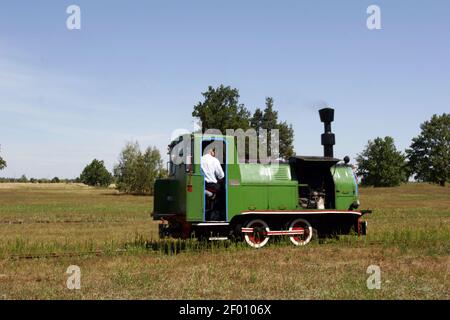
point(136, 68)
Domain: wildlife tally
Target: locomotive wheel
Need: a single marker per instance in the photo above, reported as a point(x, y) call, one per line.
point(258, 238)
point(299, 225)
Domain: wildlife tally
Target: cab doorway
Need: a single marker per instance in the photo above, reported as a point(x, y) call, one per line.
point(215, 195)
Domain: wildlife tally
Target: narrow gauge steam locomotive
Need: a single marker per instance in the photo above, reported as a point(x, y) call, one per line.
point(308, 196)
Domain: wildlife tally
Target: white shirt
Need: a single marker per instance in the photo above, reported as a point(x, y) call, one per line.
point(211, 168)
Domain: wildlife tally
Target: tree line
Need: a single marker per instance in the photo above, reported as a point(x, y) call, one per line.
point(380, 164)
point(135, 172)
point(24, 179)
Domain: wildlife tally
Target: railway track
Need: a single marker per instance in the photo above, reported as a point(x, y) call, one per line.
point(32, 256)
point(172, 247)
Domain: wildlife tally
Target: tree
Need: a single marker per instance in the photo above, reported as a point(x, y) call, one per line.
point(221, 110)
point(23, 179)
point(268, 119)
point(55, 180)
point(136, 172)
point(125, 170)
point(286, 140)
point(95, 174)
point(2, 163)
point(381, 165)
point(429, 153)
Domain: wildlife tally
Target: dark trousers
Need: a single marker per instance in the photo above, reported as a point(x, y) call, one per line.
point(218, 209)
point(214, 186)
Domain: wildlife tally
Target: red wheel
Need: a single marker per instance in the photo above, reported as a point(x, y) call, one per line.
point(305, 227)
point(258, 238)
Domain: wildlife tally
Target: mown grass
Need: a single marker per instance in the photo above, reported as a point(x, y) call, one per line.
point(409, 237)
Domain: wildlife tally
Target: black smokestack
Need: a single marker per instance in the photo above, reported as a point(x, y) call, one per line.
point(327, 117)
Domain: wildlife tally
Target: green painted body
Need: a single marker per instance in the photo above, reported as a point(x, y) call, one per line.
point(346, 188)
point(249, 187)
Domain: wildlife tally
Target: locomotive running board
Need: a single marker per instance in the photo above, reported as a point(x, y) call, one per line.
point(305, 212)
point(275, 233)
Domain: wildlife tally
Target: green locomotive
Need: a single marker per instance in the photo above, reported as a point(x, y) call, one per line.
point(305, 197)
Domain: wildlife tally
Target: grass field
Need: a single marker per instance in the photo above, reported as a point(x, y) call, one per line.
point(409, 239)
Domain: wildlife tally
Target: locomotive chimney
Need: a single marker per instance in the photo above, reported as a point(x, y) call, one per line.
point(327, 116)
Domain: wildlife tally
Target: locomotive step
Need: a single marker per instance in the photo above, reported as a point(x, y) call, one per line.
point(218, 238)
